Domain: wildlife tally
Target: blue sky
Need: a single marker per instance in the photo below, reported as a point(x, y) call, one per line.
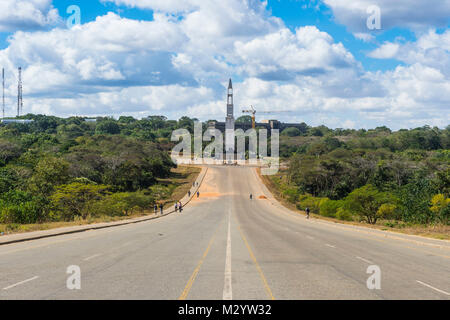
point(316, 58)
point(294, 14)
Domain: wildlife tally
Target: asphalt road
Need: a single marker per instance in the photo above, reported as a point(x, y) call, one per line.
point(226, 246)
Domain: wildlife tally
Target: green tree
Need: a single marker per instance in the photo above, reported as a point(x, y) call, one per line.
point(8, 180)
point(291, 132)
point(48, 173)
point(315, 132)
point(77, 199)
point(22, 207)
point(366, 202)
point(107, 127)
point(443, 181)
point(440, 206)
point(244, 120)
point(415, 199)
point(8, 152)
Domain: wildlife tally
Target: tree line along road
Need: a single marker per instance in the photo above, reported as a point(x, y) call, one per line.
point(226, 246)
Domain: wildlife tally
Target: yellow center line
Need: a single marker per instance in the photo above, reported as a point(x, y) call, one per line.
point(197, 269)
point(261, 274)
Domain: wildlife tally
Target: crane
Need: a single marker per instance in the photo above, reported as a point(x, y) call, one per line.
point(252, 111)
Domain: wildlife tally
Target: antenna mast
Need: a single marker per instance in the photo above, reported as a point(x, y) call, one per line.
point(19, 94)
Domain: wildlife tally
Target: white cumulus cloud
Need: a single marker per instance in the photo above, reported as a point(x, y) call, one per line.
point(415, 14)
point(26, 14)
point(179, 64)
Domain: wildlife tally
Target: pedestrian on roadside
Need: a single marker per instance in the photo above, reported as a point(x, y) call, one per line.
point(307, 213)
point(198, 194)
point(180, 206)
point(161, 207)
point(155, 207)
point(176, 207)
point(189, 193)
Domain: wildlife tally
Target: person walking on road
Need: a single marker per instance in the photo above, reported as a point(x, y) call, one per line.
point(180, 206)
point(307, 213)
point(189, 193)
point(198, 194)
point(251, 196)
point(176, 207)
point(155, 207)
point(161, 207)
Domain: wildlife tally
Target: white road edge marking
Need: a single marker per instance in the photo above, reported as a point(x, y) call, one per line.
point(436, 289)
point(310, 238)
point(19, 283)
point(92, 257)
point(365, 260)
point(329, 245)
point(227, 290)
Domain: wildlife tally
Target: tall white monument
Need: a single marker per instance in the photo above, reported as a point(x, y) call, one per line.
point(229, 126)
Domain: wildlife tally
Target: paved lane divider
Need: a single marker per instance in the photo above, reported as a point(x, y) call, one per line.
point(227, 289)
point(261, 274)
point(365, 260)
point(19, 283)
point(189, 284)
point(92, 257)
point(435, 289)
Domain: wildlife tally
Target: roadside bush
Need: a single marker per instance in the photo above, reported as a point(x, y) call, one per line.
point(21, 207)
point(122, 204)
point(107, 207)
point(291, 194)
point(344, 215)
point(415, 199)
point(160, 192)
point(440, 206)
point(328, 208)
point(387, 211)
point(308, 201)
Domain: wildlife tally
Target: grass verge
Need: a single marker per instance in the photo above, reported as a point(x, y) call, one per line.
point(440, 232)
point(179, 183)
